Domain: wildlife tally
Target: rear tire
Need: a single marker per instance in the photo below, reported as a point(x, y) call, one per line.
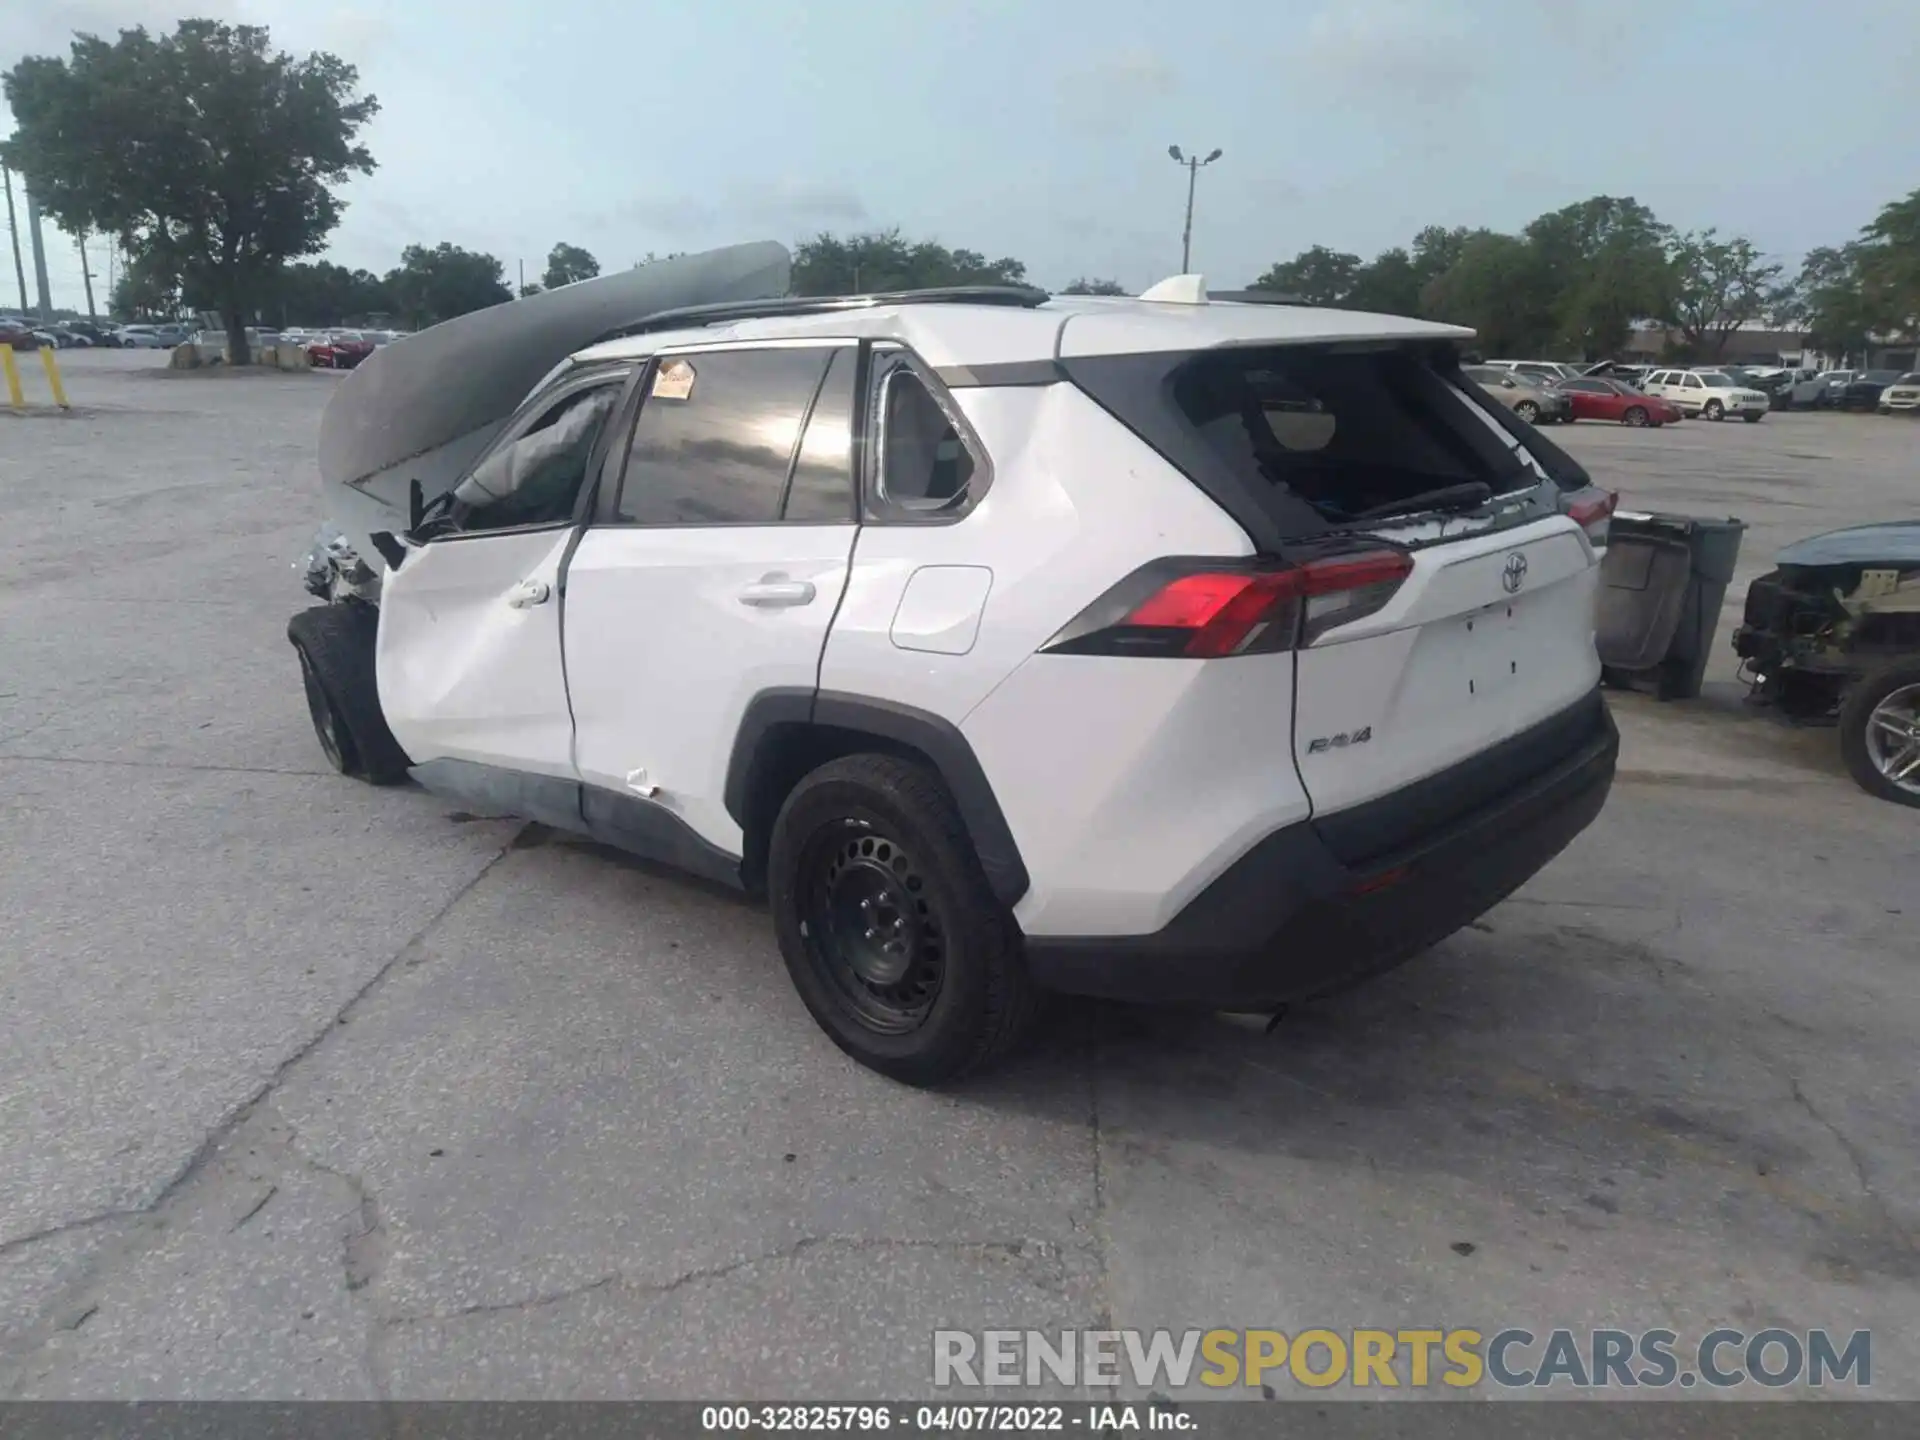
point(1636, 416)
point(888, 926)
point(1528, 411)
point(335, 645)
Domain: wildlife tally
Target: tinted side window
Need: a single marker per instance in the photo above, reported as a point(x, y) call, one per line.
point(925, 465)
point(821, 492)
point(534, 478)
point(715, 438)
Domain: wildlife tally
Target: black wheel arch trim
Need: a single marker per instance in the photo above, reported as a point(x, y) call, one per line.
point(774, 714)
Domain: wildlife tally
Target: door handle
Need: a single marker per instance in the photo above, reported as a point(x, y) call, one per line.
point(529, 593)
point(771, 593)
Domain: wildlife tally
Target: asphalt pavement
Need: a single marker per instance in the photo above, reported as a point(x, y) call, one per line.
point(313, 1090)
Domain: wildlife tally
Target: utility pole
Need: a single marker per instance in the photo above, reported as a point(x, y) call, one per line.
point(1193, 165)
point(523, 281)
point(86, 279)
point(39, 258)
point(13, 229)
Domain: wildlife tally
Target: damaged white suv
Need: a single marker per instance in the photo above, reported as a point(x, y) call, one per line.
point(1157, 649)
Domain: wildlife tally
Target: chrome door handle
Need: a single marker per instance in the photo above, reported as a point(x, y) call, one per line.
point(770, 594)
point(529, 593)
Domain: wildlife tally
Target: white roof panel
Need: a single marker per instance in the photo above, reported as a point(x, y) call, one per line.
point(947, 334)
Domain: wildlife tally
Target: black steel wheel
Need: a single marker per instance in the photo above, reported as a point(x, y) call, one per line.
point(890, 930)
point(870, 926)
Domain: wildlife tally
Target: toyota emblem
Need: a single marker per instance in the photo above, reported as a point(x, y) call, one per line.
point(1514, 575)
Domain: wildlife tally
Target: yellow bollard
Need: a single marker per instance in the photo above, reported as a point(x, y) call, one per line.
point(53, 377)
point(15, 396)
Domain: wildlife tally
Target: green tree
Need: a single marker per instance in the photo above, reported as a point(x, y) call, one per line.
point(434, 285)
point(1435, 249)
point(566, 264)
point(1889, 264)
point(1714, 287)
point(1318, 276)
point(1388, 284)
point(212, 157)
point(323, 293)
point(1605, 264)
point(1084, 286)
point(1498, 286)
point(1830, 300)
point(142, 293)
point(884, 260)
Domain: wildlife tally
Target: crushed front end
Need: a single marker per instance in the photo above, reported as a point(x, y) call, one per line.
point(1811, 630)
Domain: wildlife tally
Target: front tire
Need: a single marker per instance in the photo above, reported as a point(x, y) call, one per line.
point(335, 645)
point(1753, 419)
point(1714, 410)
point(888, 926)
point(1528, 411)
point(1880, 734)
point(1636, 416)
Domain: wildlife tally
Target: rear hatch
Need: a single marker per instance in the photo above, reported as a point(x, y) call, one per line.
point(1442, 605)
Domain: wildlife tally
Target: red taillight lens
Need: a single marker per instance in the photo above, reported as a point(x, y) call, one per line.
point(1206, 610)
point(1592, 510)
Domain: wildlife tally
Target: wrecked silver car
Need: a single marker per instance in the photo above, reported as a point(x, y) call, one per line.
point(1832, 636)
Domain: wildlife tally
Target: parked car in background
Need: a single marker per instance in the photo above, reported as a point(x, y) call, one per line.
point(18, 335)
point(339, 349)
point(1776, 384)
point(140, 337)
point(1863, 391)
point(1710, 394)
point(1598, 397)
point(1533, 402)
point(1902, 397)
point(1835, 383)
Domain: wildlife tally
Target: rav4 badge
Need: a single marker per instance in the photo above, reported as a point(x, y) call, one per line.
point(1340, 741)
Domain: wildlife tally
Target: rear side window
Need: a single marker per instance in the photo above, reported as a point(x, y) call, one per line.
point(926, 464)
point(716, 436)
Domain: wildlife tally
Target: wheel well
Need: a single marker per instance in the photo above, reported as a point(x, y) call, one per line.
point(787, 753)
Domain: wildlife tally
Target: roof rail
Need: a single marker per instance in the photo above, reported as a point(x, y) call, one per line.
point(1024, 297)
point(1256, 297)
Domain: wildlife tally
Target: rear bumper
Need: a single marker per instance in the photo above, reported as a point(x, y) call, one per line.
point(1309, 910)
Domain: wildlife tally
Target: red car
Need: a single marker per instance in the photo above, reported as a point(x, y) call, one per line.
point(339, 350)
point(1597, 398)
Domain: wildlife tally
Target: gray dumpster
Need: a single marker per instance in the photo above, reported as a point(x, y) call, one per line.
point(1661, 587)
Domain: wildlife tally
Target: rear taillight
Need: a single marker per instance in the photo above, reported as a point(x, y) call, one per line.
point(1208, 609)
point(1592, 510)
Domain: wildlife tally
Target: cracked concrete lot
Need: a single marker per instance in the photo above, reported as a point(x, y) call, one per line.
point(311, 1090)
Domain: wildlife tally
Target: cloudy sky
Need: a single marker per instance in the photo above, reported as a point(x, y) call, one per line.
point(1039, 128)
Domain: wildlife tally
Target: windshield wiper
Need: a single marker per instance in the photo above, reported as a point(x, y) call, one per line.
point(1448, 497)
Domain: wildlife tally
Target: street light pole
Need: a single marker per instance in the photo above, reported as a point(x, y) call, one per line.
point(1193, 165)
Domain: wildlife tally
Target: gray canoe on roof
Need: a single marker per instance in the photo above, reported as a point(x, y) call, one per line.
point(425, 406)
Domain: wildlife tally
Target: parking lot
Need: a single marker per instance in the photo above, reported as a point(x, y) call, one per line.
point(313, 1090)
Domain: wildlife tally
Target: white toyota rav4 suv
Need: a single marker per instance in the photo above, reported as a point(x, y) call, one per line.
point(1155, 649)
